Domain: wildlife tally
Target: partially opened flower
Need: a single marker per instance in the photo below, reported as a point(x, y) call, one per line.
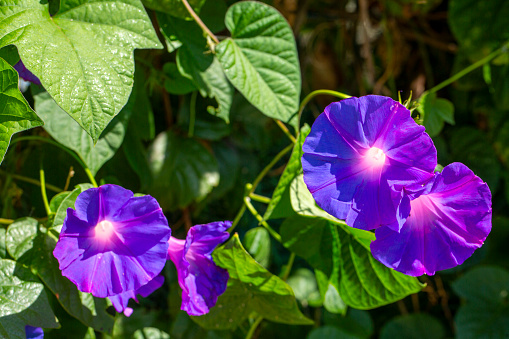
point(358, 156)
point(25, 76)
point(201, 280)
point(33, 332)
point(450, 218)
point(121, 300)
point(112, 242)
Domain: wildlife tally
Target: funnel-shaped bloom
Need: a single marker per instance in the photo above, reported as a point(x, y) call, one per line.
point(359, 155)
point(33, 332)
point(112, 242)
point(121, 300)
point(201, 280)
point(450, 218)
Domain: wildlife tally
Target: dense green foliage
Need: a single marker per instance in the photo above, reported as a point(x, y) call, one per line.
point(208, 115)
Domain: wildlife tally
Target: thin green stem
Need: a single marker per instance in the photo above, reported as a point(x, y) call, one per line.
point(239, 215)
point(62, 147)
point(31, 181)
point(286, 131)
point(43, 192)
point(288, 267)
point(313, 94)
point(269, 167)
point(90, 177)
point(4, 221)
point(199, 22)
point(470, 68)
point(253, 327)
point(258, 217)
point(260, 198)
point(192, 114)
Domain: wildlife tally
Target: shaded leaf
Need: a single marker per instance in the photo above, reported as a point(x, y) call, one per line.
point(183, 170)
point(83, 54)
point(435, 112)
point(175, 83)
point(257, 243)
point(196, 62)
point(471, 147)
point(251, 288)
point(479, 26)
point(303, 284)
point(15, 113)
point(174, 7)
point(413, 326)
point(486, 310)
point(260, 59)
point(70, 134)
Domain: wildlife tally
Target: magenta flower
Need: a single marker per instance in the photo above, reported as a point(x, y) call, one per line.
point(359, 155)
point(201, 280)
point(112, 242)
point(121, 300)
point(33, 332)
point(450, 218)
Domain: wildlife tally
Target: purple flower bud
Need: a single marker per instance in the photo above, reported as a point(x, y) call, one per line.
point(201, 280)
point(359, 155)
point(112, 242)
point(34, 332)
point(450, 218)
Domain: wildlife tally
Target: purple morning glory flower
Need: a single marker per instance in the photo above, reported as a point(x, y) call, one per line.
point(199, 277)
point(34, 332)
point(450, 218)
point(359, 155)
point(112, 242)
point(121, 300)
point(25, 76)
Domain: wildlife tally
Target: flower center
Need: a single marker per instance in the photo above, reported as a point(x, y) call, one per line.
point(104, 230)
point(375, 156)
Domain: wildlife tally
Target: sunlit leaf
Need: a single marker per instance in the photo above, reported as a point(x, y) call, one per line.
point(260, 59)
point(15, 113)
point(83, 54)
point(251, 288)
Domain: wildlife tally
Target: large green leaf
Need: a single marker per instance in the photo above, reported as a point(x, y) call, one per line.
point(28, 244)
point(413, 326)
point(486, 311)
point(70, 134)
point(260, 59)
point(196, 62)
point(279, 206)
point(15, 113)
point(251, 288)
point(364, 283)
point(183, 170)
point(23, 300)
point(174, 7)
point(435, 111)
point(83, 54)
point(479, 26)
